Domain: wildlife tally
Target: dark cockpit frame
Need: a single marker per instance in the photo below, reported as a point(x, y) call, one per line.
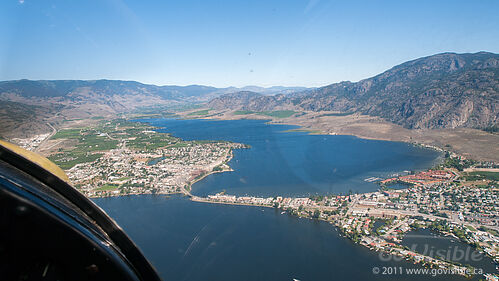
point(50, 231)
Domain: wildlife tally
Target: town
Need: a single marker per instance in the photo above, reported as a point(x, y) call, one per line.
point(124, 158)
point(441, 200)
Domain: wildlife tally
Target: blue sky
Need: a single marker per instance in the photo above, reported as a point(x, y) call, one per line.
point(234, 43)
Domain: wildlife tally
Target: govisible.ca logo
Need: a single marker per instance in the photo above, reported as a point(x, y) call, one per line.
point(399, 270)
point(453, 253)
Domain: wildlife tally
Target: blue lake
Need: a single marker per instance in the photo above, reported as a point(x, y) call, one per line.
point(195, 241)
point(296, 163)
point(188, 240)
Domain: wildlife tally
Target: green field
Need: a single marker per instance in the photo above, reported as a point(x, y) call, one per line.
point(90, 141)
point(275, 113)
point(67, 160)
point(278, 113)
point(471, 228)
point(473, 176)
point(150, 141)
point(107, 187)
point(67, 134)
point(146, 116)
point(199, 113)
point(88, 144)
point(243, 112)
point(337, 114)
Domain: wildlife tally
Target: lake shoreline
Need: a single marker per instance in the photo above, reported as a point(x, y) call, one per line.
point(458, 140)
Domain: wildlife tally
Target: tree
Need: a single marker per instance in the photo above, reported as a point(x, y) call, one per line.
point(316, 214)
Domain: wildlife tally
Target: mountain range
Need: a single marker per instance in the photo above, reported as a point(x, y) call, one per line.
point(441, 91)
point(27, 105)
point(71, 88)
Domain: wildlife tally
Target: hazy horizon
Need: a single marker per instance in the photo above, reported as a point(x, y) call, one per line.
point(220, 87)
point(221, 44)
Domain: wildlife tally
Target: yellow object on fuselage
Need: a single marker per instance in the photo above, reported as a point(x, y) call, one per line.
point(36, 158)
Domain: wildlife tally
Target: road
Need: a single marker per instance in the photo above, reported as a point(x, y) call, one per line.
point(54, 131)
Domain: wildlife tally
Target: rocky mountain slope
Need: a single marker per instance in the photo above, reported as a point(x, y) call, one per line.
point(31, 104)
point(441, 91)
